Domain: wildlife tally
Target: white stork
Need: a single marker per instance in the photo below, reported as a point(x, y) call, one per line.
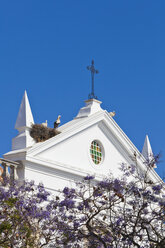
point(45, 124)
point(57, 122)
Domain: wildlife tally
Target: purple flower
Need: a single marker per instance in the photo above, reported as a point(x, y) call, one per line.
point(68, 203)
point(80, 206)
point(118, 185)
point(105, 184)
point(119, 220)
point(89, 178)
point(66, 191)
point(157, 188)
point(97, 193)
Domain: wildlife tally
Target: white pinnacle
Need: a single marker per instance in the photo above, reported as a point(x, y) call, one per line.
point(23, 125)
point(147, 151)
point(25, 117)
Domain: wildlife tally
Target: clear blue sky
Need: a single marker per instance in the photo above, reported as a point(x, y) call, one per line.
point(45, 47)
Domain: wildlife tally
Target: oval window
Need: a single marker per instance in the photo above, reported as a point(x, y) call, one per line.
point(95, 152)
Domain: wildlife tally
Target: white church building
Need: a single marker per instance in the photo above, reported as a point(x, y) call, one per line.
point(90, 144)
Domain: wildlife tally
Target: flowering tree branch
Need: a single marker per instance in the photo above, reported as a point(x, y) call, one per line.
point(123, 212)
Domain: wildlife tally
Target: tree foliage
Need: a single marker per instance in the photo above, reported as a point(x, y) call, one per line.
point(123, 212)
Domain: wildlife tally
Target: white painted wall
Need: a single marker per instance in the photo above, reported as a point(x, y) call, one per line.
point(75, 151)
point(67, 159)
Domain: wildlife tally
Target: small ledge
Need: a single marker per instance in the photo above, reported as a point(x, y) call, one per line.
point(92, 106)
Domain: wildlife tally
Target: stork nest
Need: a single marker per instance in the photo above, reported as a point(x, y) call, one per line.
point(40, 133)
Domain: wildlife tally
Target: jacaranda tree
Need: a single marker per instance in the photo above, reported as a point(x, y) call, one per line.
point(123, 212)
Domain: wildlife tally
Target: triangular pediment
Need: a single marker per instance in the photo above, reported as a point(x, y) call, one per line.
point(71, 148)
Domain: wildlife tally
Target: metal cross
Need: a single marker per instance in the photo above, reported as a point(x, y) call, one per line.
point(93, 71)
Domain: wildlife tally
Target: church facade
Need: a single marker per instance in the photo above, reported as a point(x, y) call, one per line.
point(90, 144)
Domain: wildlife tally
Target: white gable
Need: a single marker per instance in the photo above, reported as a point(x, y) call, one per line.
point(66, 157)
point(74, 151)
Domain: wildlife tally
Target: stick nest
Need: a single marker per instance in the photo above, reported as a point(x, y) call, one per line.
point(40, 133)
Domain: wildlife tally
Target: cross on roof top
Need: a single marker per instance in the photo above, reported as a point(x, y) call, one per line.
point(93, 71)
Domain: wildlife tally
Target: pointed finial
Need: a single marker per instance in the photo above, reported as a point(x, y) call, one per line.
point(25, 117)
point(147, 151)
point(23, 125)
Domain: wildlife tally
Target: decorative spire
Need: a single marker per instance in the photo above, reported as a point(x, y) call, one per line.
point(25, 117)
point(147, 151)
point(23, 125)
point(93, 72)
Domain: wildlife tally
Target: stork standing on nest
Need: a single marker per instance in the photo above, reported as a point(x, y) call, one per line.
point(45, 124)
point(57, 122)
